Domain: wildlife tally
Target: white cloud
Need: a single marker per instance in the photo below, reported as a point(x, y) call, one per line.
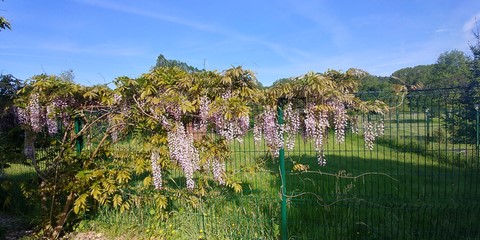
point(285, 52)
point(469, 26)
point(150, 14)
point(441, 30)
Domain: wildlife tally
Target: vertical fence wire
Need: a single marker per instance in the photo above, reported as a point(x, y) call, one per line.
point(283, 179)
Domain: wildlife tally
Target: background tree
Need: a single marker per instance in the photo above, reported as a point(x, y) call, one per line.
point(372, 83)
point(4, 24)
point(11, 135)
point(413, 78)
point(465, 118)
point(452, 69)
point(163, 62)
point(475, 49)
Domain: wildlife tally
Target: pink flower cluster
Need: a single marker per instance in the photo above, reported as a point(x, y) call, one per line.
point(50, 119)
point(37, 117)
point(291, 125)
point(339, 120)
point(36, 113)
point(183, 152)
point(268, 126)
point(371, 131)
point(204, 111)
point(174, 110)
point(218, 171)
point(354, 124)
point(233, 128)
point(156, 170)
point(316, 124)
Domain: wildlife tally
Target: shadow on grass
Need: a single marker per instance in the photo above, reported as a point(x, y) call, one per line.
point(418, 120)
point(368, 198)
point(462, 158)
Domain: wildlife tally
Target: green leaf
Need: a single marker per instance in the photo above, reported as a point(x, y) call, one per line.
point(117, 200)
point(123, 177)
point(125, 206)
point(147, 181)
point(80, 203)
point(95, 191)
point(152, 211)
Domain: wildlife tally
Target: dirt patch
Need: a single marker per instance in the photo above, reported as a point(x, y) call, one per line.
point(85, 236)
point(13, 227)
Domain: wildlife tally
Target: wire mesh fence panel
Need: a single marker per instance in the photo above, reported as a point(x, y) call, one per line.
point(419, 181)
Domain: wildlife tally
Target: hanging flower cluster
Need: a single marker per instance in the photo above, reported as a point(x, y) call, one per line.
point(39, 117)
point(316, 124)
point(217, 167)
point(204, 110)
point(317, 120)
point(51, 120)
point(371, 131)
point(266, 125)
point(230, 129)
point(183, 152)
point(291, 125)
point(156, 170)
point(339, 120)
point(36, 114)
point(181, 140)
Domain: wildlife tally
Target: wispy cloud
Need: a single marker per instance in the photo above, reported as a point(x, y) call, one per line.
point(285, 52)
point(469, 26)
point(150, 14)
point(442, 30)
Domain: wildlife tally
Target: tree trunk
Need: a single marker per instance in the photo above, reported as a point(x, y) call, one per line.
point(29, 151)
point(62, 218)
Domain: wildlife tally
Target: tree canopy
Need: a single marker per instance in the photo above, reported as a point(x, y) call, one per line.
point(4, 23)
point(163, 62)
point(452, 69)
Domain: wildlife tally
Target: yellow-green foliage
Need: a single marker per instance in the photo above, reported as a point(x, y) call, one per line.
point(122, 127)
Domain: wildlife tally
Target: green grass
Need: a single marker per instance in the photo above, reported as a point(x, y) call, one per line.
point(405, 188)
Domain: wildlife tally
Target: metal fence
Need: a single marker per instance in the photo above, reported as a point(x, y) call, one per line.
point(420, 181)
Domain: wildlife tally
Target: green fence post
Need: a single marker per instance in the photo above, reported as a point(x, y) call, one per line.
point(79, 140)
point(281, 158)
point(427, 119)
point(398, 121)
point(477, 107)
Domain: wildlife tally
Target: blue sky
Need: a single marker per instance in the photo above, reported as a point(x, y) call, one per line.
point(103, 39)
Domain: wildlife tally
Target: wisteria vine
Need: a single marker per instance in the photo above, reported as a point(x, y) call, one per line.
point(316, 122)
point(38, 117)
point(176, 109)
